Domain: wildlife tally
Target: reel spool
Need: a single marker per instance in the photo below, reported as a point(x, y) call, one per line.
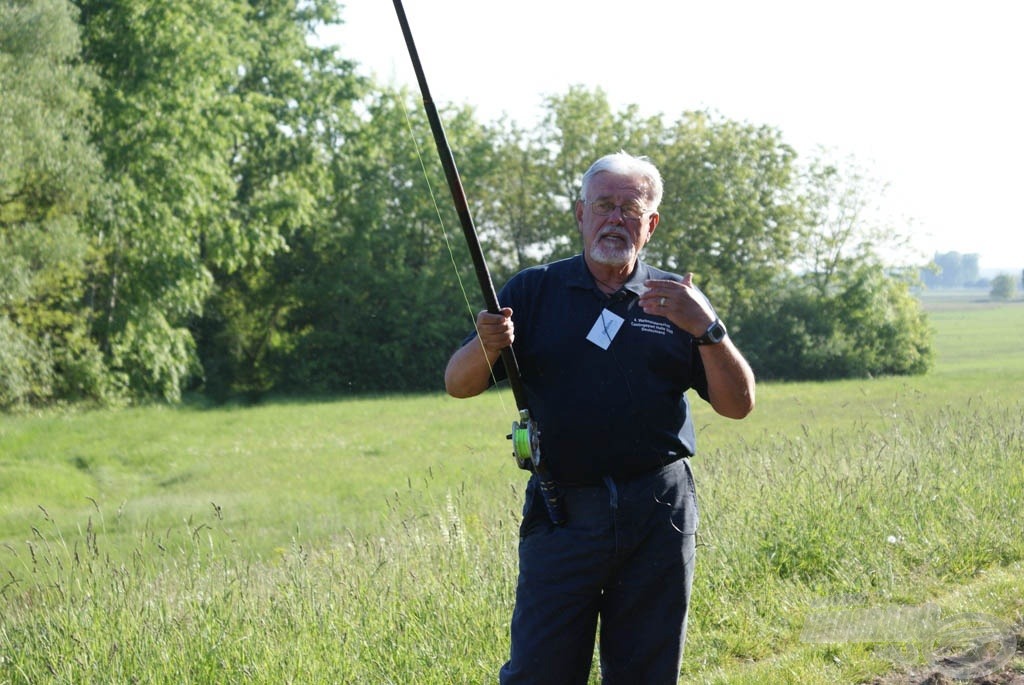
point(525, 439)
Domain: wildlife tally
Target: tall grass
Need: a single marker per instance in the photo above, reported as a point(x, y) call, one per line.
point(423, 601)
point(373, 541)
point(898, 517)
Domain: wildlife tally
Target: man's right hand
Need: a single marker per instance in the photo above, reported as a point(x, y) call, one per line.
point(496, 331)
point(469, 370)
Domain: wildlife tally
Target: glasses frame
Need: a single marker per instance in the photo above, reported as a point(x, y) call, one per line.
point(621, 207)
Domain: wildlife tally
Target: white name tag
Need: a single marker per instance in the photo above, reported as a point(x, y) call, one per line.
point(605, 328)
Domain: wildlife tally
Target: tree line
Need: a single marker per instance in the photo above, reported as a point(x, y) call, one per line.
point(952, 270)
point(194, 197)
point(956, 270)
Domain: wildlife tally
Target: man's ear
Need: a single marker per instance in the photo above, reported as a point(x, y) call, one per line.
point(579, 213)
point(655, 220)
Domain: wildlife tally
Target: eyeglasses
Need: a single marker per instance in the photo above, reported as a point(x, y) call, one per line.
point(629, 210)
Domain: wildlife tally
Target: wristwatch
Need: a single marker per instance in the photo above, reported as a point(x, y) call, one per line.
point(714, 334)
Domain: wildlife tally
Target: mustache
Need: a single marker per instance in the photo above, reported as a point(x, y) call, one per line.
point(615, 231)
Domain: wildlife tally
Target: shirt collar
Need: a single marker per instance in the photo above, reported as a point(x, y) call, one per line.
point(580, 277)
point(635, 284)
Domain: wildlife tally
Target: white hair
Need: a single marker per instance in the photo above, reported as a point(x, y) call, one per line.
point(624, 164)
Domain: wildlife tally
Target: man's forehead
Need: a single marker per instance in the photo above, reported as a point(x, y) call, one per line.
point(607, 184)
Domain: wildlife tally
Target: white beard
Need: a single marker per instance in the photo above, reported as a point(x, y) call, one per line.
point(611, 254)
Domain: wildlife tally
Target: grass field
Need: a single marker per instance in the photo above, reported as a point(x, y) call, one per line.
point(373, 540)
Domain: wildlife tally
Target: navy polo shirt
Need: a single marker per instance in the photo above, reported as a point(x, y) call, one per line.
point(619, 411)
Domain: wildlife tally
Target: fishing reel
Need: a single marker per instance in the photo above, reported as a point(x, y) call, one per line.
point(525, 439)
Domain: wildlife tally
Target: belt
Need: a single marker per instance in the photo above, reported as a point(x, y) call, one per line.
point(601, 481)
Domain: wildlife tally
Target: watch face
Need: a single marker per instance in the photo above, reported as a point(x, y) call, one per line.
point(714, 334)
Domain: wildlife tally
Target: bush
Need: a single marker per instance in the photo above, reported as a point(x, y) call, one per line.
point(1003, 287)
point(867, 325)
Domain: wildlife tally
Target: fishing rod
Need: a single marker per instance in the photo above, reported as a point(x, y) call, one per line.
point(525, 434)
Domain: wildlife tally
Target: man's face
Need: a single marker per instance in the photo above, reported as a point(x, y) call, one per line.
point(615, 240)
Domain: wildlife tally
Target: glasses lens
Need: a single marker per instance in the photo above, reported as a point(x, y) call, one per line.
point(630, 210)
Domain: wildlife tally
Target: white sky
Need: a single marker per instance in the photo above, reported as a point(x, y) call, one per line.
point(928, 96)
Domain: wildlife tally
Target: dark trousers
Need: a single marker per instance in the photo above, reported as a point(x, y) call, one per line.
point(625, 557)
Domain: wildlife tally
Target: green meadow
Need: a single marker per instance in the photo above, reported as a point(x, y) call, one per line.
point(373, 540)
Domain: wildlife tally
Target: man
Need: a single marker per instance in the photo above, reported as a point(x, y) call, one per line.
point(606, 346)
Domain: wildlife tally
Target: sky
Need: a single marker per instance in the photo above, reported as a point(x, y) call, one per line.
point(927, 97)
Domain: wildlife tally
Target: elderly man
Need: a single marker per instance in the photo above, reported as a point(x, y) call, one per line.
point(607, 346)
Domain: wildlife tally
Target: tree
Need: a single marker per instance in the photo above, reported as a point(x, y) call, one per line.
point(516, 202)
point(1003, 287)
point(842, 313)
point(48, 173)
point(201, 134)
point(291, 171)
point(955, 270)
point(379, 304)
point(730, 213)
point(169, 124)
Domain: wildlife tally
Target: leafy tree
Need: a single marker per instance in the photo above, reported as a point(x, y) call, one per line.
point(1003, 287)
point(169, 125)
point(731, 213)
point(955, 270)
point(48, 173)
point(843, 313)
point(516, 202)
point(377, 302)
point(202, 138)
point(289, 164)
point(859, 330)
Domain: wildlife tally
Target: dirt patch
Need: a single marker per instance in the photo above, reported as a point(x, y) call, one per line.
point(1011, 674)
point(1006, 677)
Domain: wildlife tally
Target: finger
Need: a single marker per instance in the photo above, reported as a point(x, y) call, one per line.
point(486, 317)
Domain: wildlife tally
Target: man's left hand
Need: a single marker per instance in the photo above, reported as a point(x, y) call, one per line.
point(681, 302)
